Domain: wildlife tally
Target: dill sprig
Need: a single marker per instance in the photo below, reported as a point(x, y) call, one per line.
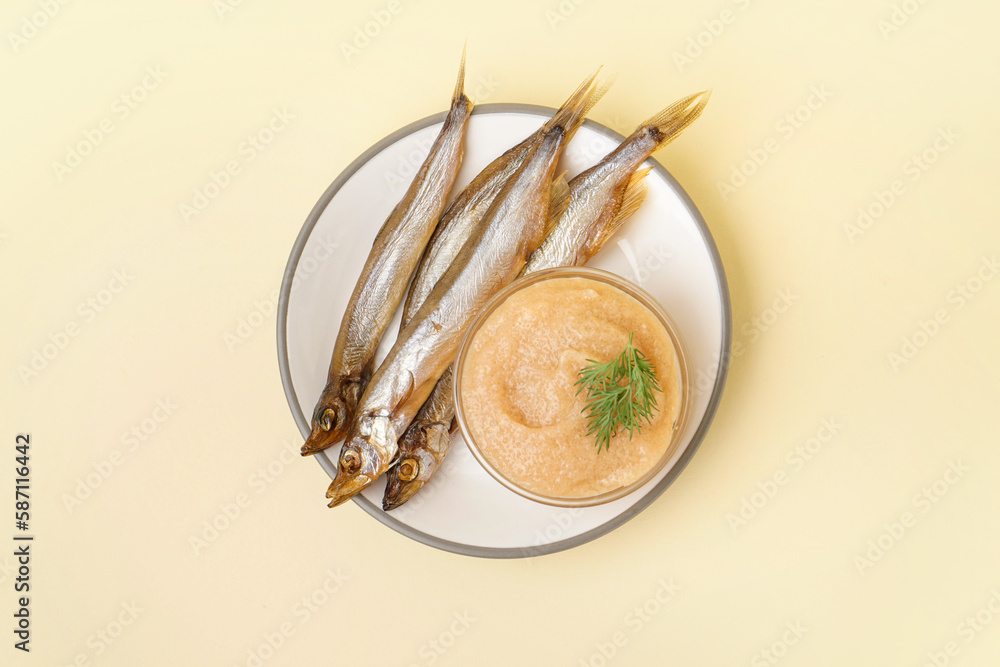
point(620, 394)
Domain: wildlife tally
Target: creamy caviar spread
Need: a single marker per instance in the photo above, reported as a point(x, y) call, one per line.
point(519, 400)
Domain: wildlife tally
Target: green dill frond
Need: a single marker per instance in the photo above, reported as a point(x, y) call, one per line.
point(620, 394)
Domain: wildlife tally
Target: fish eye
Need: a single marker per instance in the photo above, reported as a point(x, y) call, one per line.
point(408, 470)
point(350, 461)
point(326, 418)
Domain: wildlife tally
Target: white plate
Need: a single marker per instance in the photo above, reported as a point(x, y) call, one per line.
point(665, 247)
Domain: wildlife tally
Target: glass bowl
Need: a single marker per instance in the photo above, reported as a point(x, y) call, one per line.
point(555, 450)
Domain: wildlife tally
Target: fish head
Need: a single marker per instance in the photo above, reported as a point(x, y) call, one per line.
point(333, 414)
point(408, 477)
point(329, 425)
point(416, 465)
point(364, 456)
point(356, 469)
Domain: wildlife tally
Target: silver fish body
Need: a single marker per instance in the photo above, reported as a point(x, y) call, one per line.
point(395, 254)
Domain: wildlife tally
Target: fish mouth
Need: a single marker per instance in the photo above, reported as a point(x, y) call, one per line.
point(346, 486)
point(319, 440)
point(403, 492)
point(357, 468)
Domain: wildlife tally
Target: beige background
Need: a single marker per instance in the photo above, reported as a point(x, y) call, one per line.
point(124, 553)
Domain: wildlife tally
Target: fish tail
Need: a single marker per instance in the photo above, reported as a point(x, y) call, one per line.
point(572, 113)
point(600, 88)
point(459, 96)
point(665, 126)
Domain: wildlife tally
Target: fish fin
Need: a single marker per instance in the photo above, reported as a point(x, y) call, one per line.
point(571, 114)
point(634, 195)
point(559, 199)
point(601, 87)
point(409, 389)
point(362, 383)
point(459, 94)
point(666, 125)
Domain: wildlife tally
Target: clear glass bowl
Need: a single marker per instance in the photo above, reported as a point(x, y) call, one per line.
point(643, 298)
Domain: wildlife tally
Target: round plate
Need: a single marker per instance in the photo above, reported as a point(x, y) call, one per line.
point(665, 247)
